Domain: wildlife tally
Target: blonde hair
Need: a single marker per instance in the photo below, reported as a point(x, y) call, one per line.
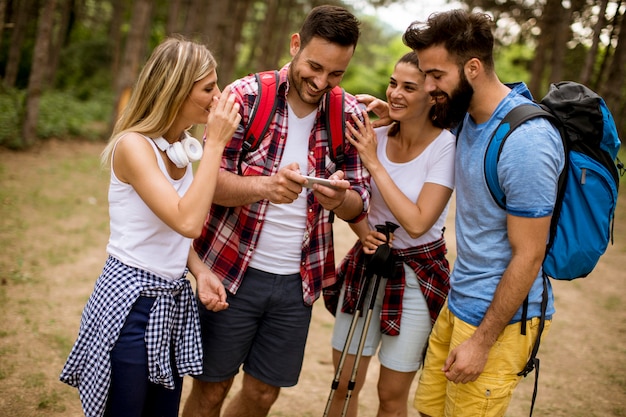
point(163, 85)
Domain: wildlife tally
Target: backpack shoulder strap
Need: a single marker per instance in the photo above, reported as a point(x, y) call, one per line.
point(512, 120)
point(265, 107)
point(335, 123)
point(262, 113)
point(263, 110)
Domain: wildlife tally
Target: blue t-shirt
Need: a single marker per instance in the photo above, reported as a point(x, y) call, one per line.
point(528, 170)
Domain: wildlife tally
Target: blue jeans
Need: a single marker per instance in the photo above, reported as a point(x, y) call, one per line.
point(131, 393)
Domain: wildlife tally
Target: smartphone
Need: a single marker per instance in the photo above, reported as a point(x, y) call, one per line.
point(315, 180)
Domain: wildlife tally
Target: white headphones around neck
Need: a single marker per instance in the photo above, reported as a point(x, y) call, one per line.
point(182, 152)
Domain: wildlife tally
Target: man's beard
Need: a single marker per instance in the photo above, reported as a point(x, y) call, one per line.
point(450, 113)
point(299, 84)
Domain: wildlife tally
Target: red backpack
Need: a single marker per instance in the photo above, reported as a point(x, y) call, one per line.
point(265, 107)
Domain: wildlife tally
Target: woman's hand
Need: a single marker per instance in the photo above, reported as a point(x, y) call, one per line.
point(373, 240)
point(223, 119)
point(363, 138)
point(377, 106)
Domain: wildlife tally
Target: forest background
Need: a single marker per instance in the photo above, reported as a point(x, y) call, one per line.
point(65, 67)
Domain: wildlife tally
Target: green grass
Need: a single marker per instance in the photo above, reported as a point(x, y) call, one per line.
point(50, 194)
point(53, 207)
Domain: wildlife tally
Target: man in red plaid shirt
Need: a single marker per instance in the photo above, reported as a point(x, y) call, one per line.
point(268, 236)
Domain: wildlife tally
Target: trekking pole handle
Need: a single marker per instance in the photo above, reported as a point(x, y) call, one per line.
point(387, 228)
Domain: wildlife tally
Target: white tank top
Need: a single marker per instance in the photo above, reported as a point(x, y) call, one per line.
point(279, 249)
point(138, 237)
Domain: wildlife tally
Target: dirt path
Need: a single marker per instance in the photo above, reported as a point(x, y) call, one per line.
point(53, 229)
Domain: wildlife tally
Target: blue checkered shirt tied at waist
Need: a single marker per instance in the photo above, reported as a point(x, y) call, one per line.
point(173, 324)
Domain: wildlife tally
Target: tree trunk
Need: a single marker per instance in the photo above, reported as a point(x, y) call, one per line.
point(229, 56)
point(267, 32)
point(284, 29)
point(173, 18)
point(223, 27)
point(548, 21)
point(612, 88)
point(133, 54)
point(22, 16)
point(592, 55)
point(562, 34)
point(3, 9)
point(196, 12)
point(38, 71)
point(274, 34)
point(58, 40)
point(115, 34)
point(609, 50)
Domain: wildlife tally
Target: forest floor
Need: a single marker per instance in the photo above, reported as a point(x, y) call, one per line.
point(53, 233)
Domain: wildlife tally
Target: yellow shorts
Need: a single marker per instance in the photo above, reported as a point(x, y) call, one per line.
point(490, 394)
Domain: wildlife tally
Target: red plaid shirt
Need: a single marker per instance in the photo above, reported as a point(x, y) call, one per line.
point(430, 265)
point(230, 234)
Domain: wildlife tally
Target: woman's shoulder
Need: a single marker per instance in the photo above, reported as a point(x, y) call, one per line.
point(447, 136)
point(132, 142)
point(445, 139)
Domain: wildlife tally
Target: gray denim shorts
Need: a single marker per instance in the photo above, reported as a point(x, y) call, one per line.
point(265, 328)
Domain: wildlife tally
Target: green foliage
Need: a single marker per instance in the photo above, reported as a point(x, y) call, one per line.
point(85, 67)
point(376, 54)
point(371, 76)
point(513, 61)
point(11, 113)
point(62, 114)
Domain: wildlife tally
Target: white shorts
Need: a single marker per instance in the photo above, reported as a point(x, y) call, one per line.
point(402, 353)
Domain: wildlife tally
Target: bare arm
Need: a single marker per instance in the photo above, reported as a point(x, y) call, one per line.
point(135, 163)
point(528, 241)
point(414, 217)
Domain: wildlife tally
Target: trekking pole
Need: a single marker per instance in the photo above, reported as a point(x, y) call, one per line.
point(357, 359)
point(380, 257)
point(344, 352)
point(379, 262)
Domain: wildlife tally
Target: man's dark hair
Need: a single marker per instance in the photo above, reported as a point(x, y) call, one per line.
point(463, 34)
point(332, 23)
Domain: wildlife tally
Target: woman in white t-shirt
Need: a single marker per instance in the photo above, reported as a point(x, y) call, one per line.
point(411, 163)
point(139, 332)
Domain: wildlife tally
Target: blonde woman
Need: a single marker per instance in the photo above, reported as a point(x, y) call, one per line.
point(139, 332)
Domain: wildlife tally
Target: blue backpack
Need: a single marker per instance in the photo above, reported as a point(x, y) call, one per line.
point(582, 221)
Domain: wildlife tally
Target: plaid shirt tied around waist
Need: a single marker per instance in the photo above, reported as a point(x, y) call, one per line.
point(173, 323)
point(431, 268)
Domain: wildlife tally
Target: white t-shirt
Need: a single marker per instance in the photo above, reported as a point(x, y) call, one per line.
point(279, 249)
point(435, 165)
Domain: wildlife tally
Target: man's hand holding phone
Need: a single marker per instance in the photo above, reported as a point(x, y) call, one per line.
point(310, 181)
point(335, 184)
